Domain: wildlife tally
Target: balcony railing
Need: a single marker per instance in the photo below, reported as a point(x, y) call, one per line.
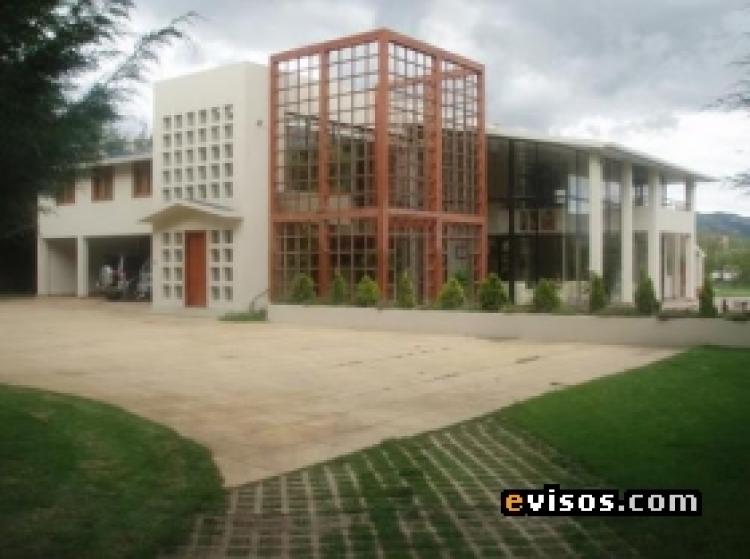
point(673, 204)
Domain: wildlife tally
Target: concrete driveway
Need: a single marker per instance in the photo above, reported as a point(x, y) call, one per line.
point(269, 398)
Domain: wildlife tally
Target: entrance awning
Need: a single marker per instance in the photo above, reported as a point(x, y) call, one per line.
point(181, 209)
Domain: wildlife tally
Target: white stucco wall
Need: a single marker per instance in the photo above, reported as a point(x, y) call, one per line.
point(243, 88)
point(58, 271)
point(542, 327)
point(119, 216)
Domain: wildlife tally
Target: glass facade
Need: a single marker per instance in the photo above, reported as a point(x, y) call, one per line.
point(376, 165)
point(539, 213)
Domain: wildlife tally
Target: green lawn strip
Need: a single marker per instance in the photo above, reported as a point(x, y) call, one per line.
point(731, 290)
point(83, 479)
point(683, 422)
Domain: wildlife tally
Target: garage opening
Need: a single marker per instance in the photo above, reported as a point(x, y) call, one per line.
point(120, 267)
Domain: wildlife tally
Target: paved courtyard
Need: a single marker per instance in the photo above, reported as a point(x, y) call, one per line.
point(268, 399)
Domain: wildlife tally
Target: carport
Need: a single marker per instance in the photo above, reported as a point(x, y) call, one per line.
point(107, 250)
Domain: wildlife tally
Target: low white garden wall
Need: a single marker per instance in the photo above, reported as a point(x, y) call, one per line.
point(542, 327)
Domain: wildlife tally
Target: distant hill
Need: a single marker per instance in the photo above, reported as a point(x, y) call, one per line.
point(722, 223)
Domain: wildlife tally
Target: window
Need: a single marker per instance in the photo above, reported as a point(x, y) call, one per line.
point(228, 112)
point(228, 189)
point(101, 184)
point(141, 179)
point(215, 114)
point(66, 194)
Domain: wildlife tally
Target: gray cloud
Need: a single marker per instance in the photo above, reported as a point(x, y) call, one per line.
point(549, 63)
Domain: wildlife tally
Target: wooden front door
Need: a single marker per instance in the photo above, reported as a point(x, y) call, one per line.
point(195, 268)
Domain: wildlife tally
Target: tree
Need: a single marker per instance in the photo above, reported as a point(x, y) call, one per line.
point(598, 295)
point(303, 289)
point(492, 294)
point(451, 295)
point(338, 289)
point(405, 297)
point(546, 298)
point(50, 122)
point(706, 307)
point(645, 296)
point(367, 293)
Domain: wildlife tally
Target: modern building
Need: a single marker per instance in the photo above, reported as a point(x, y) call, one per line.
point(366, 155)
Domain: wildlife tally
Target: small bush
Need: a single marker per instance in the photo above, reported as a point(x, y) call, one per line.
point(645, 296)
point(303, 289)
point(492, 294)
point(546, 298)
point(462, 277)
point(338, 290)
point(597, 295)
point(451, 295)
point(244, 316)
point(706, 306)
point(367, 293)
point(405, 298)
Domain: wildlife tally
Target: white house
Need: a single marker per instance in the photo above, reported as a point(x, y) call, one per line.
point(203, 213)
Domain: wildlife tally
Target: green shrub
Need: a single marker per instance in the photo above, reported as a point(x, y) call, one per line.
point(338, 290)
point(405, 298)
point(645, 296)
point(546, 298)
point(451, 295)
point(303, 289)
point(462, 277)
point(597, 295)
point(367, 293)
point(706, 306)
point(492, 294)
point(244, 316)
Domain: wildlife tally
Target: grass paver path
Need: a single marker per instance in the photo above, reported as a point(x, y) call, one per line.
point(431, 495)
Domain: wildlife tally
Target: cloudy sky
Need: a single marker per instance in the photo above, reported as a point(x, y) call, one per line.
point(638, 72)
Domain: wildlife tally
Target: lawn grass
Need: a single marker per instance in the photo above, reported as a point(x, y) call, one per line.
point(82, 479)
point(681, 423)
point(731, 290)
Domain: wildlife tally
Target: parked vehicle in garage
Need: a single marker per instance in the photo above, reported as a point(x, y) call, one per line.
point(125, 278)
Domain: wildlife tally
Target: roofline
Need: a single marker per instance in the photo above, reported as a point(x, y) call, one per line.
point(215, 210)
point(119, 160)
point(605, 147)
point(379, 33)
